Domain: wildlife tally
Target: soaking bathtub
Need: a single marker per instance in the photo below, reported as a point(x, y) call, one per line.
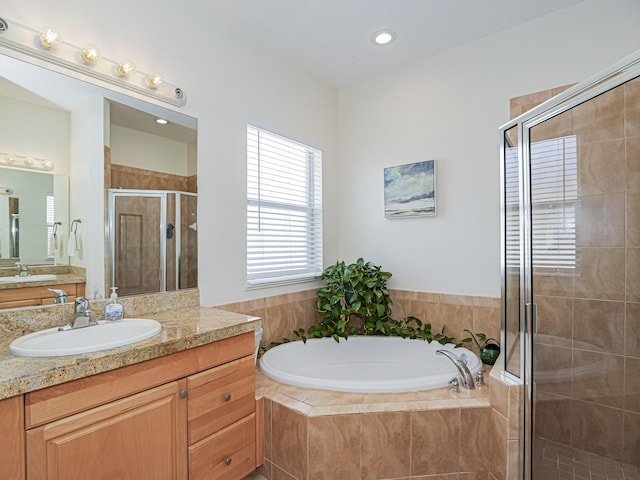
point(369, 364)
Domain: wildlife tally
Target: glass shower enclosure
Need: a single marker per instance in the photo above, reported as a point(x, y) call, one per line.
point(152, 240)
point(571, 276)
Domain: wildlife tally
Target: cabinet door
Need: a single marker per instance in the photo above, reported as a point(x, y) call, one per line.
point(12, 438)
point(229, 454)
point(140, 437)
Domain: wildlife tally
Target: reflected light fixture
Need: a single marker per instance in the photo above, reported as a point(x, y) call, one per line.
point(161, 121)
point(24, 162)
point(47, 45)
point(90, 54)
point(49, 38)
point(383, 37)
point(125, 68)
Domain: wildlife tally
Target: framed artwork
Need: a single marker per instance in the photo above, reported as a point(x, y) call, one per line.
point(410, 190)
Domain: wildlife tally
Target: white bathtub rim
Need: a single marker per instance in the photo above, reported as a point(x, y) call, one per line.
point(414, 384)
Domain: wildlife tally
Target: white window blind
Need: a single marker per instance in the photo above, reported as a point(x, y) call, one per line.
point(554, 195)
point(50, 219)
point(284, 209)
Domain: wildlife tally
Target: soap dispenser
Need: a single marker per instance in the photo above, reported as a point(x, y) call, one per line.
point(113, 310)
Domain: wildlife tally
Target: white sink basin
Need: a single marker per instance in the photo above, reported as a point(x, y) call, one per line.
point(53, 342)
point(28, 278)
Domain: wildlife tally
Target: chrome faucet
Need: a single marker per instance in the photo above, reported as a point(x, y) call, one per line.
point(23, 269)
point(81, 316)
point(466, 378)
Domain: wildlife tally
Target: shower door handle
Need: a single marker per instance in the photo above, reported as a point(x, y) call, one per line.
point(530, 318)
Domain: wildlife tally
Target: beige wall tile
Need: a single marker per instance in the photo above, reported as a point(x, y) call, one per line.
point(632, 108)
point(597, 429)
point(268, 452)
point(632, 384)
point(632, 330)
point(600, 325)
point(632, 165)
point(553, 417)
point(601, 118)
point(600, 274)
point(474, 439)
point(499, 396)
point(487, 320)
point(289, 441)
point(552, 284)
point(385, 445)
point(334, 447)
point(631, 449)
point(524, 103)
point(598, 378)
point(633, 274)
point(550, 361)
point(435, 446)
point(558, 126)
point(633, 220)
point(554, 319)
point(498, 446)
point(601, 168)
point(600, 221)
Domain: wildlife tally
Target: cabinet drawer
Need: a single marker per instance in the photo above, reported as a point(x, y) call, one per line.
point(229, 454)
point(219, 397)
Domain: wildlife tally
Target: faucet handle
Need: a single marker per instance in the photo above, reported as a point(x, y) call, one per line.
point(480, 378)
point(455, 385)
point(81, 304)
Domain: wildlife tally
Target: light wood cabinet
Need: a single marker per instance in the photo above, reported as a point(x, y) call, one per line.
point(222, 421)
point(142, 436)
point(12, 438)
point(40, 295)
point(186, 415)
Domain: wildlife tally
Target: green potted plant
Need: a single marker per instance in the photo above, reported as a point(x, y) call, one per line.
point(489, 349)
point(355, 291)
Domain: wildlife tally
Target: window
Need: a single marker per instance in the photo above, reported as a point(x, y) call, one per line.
point(554, 194)
point(50, 215)
point(284, 209)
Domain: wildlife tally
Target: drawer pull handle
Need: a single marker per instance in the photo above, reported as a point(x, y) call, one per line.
point(227, 397)
point(183, 394)
point(228, 461)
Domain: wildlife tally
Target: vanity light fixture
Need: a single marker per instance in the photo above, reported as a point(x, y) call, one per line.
point(383, 37)
point(24, 162)
point(47, 45)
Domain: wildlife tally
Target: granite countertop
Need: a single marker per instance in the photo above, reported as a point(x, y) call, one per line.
point(60, 279)
point(182, 328)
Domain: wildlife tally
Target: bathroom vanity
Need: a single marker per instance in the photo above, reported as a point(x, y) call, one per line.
point(180, 405)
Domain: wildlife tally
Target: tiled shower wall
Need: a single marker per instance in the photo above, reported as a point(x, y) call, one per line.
point(281, 314)
point(588, 342)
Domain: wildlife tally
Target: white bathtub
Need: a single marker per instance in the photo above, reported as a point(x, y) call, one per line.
point(369, 364)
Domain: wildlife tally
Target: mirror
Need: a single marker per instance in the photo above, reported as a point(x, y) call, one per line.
point(95, 139)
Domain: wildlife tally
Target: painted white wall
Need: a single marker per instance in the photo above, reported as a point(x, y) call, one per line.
point(133, 148)
point(229, 80)
point(33, 130)
point(449, 108)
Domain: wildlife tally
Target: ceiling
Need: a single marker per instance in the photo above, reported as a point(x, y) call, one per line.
point(332, 38)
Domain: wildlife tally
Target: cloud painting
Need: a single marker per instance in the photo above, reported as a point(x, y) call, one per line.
point(410, 190)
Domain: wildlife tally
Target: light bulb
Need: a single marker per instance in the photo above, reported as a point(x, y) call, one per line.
point(47, 165)
point(383, 37)
point(11, 160)
point(90, 54)
point(28, 162)
point(125, 68)
point(49, 38)
point(155, 80)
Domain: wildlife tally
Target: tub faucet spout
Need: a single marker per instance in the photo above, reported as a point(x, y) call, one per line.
point(466, 378)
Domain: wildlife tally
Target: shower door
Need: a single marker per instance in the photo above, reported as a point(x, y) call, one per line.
point(571, 238)
point(152, 248)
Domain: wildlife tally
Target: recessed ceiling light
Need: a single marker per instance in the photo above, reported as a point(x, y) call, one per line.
point(383, 37)
point(161, 121)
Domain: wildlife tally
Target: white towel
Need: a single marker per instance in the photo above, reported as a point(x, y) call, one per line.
point(71, 246)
